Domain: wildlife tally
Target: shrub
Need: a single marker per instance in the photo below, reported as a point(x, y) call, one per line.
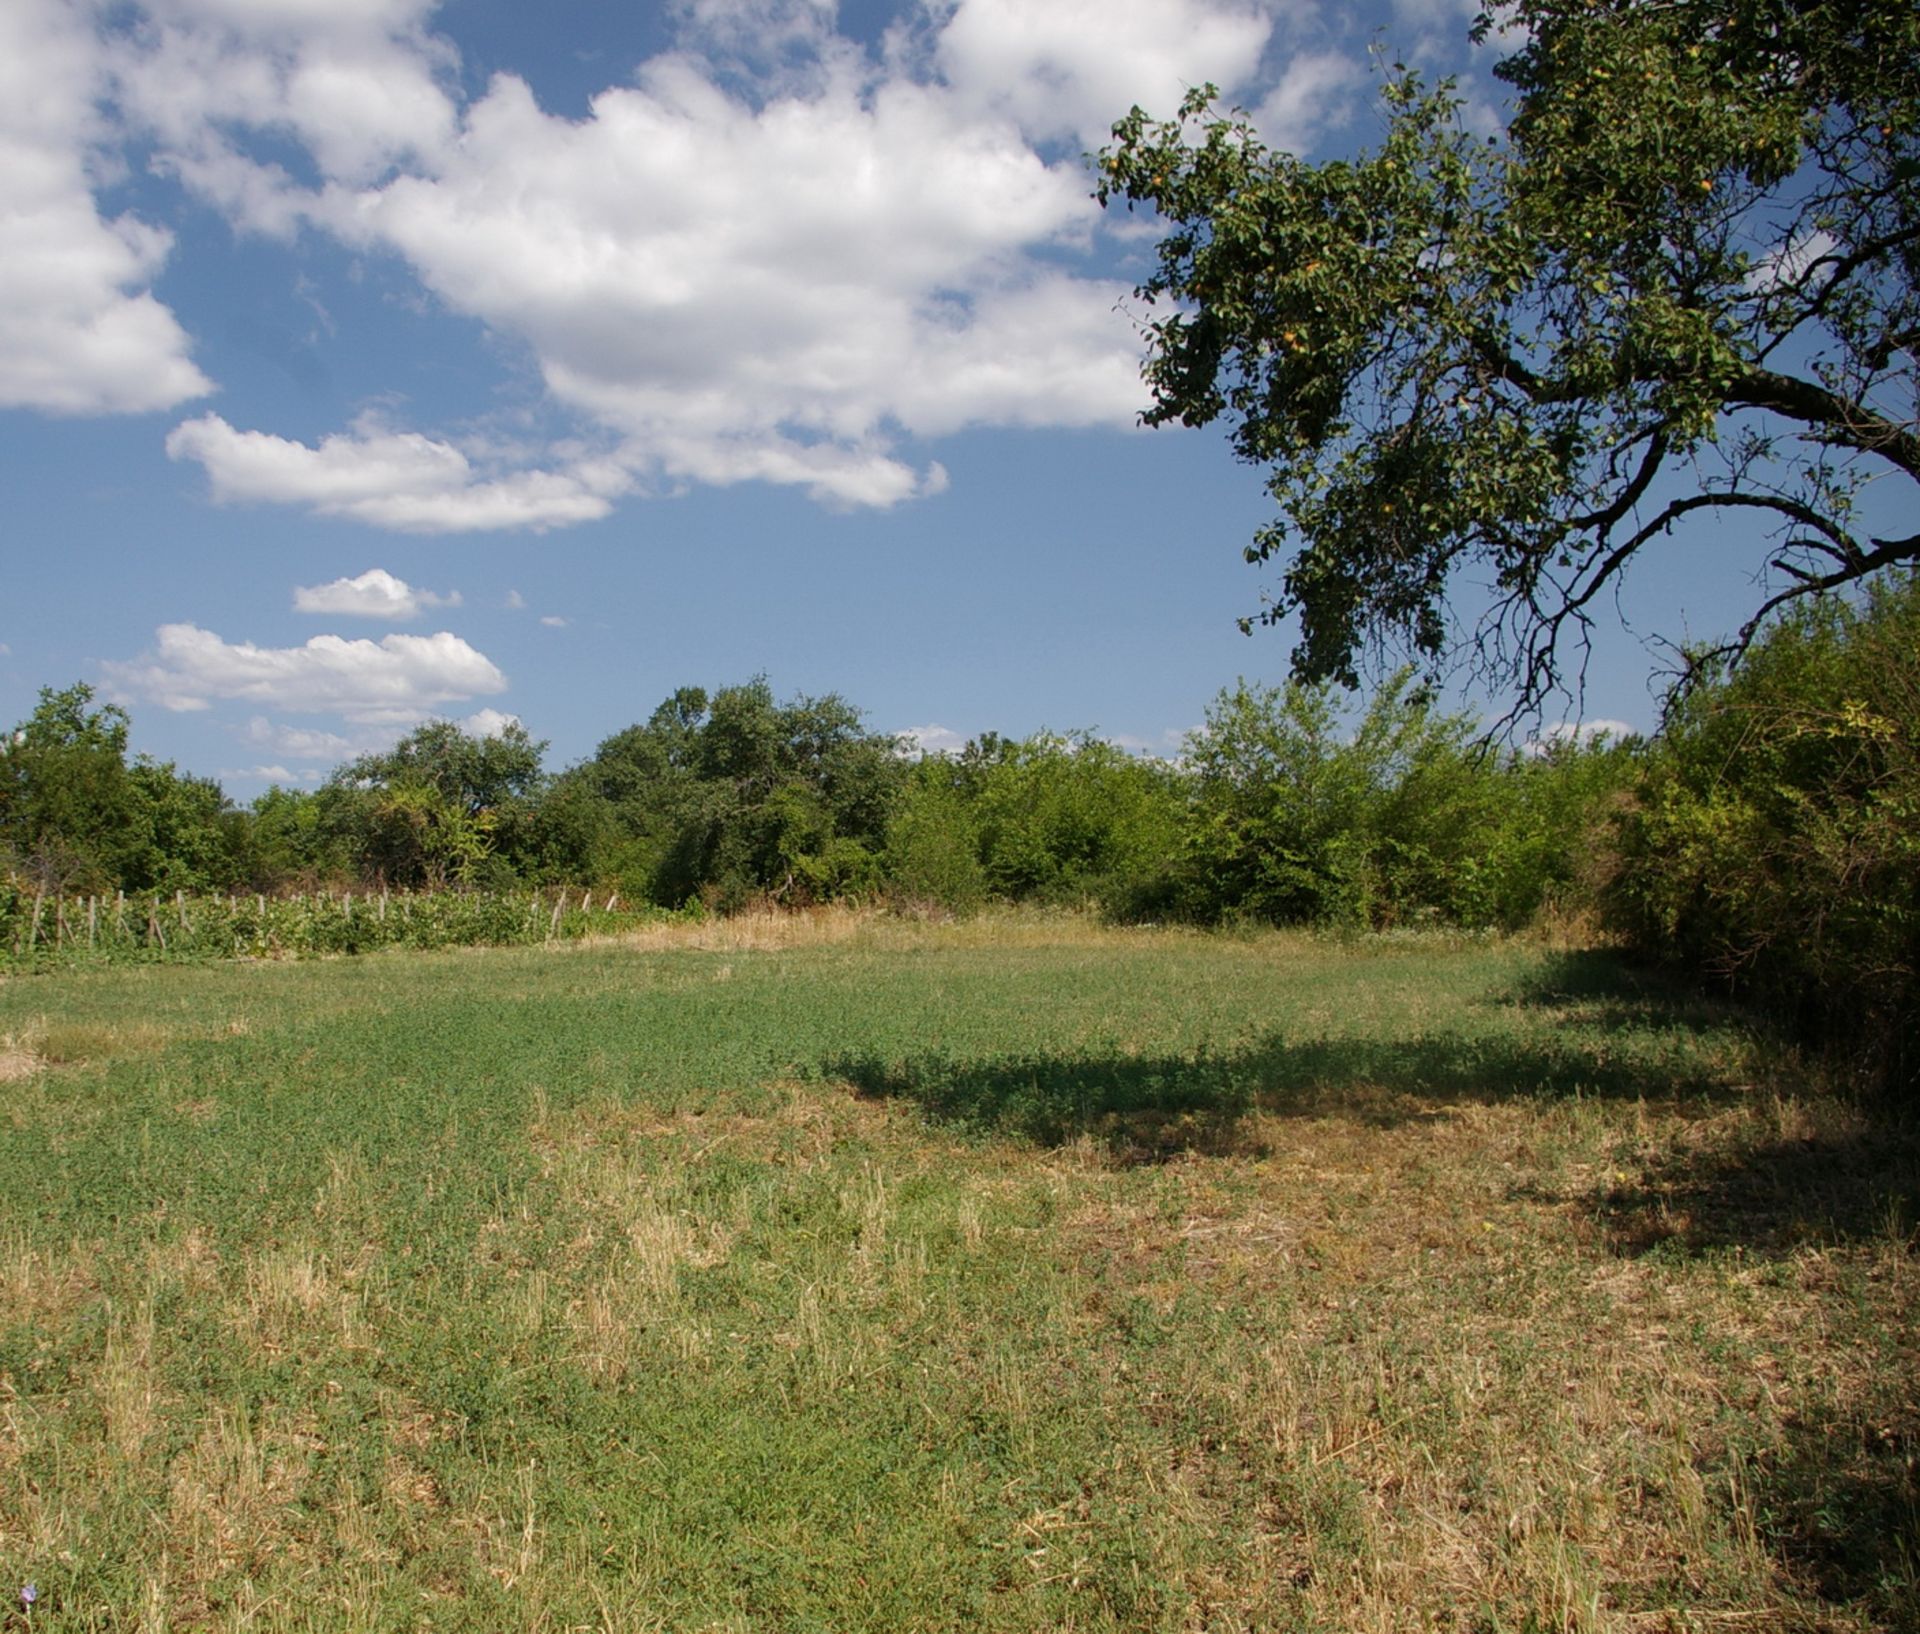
point(1773, 844)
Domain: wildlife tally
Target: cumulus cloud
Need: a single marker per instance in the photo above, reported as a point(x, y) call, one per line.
point(300, 742)
point(376, 593)
point(932, 740)
point(397, 679)
point(488, 723)
point(80, 331)
point(1317, 91)
point(1070, 68)
point(265, 774)
point(553, 621)
point(1787, 263)
point(393, 479)
point(771, 254)
point(770, 293)
point(770, 257)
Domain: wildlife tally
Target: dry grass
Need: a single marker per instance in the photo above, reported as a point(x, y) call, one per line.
point(582, 1293)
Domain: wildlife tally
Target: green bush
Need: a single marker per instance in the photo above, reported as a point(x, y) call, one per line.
point(1302, 815)
point(1773, 843)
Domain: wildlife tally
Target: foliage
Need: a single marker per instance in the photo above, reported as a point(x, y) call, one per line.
point(1683, 284)
point(1070, 819)
point(1284, 811)
point(439, 806)
point(1775, 839)
point(75, 815)
point(933, 845)
point(1299, 816)
point(733, 796)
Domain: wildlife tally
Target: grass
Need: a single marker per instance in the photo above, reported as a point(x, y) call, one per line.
point(848, 1274)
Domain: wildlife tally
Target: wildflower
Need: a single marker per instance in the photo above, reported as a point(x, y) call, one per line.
point(29, 1593)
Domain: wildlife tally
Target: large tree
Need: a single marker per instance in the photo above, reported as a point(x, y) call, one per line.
point(1680, 284)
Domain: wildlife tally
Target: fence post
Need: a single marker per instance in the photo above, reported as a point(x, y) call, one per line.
point(93, 919)
point(559, 906)
point(180, 906)
point(39, 902)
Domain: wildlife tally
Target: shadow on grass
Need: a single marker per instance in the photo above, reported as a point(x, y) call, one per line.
point(1148, 1106)
point(1774, 1197)
point(1603, 990)
point(1839, 1497)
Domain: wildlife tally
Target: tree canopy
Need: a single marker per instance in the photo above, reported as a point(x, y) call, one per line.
point(1682, 282)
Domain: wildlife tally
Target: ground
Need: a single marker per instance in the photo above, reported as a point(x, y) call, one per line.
point(845, 1273)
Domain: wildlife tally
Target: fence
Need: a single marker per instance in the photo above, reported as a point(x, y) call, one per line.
point(38, 930)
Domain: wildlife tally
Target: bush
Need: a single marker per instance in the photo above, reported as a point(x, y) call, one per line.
point(1300, 815)
point(1773, 844)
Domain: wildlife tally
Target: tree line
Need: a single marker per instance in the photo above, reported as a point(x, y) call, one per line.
point(1766, 841)
point(1285, 806)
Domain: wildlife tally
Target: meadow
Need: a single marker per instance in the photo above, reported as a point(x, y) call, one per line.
point(846, 1273)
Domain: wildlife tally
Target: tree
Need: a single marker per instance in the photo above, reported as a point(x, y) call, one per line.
point(440, 805)
point(70, 813)
point(731, 795)
point(1682, 284)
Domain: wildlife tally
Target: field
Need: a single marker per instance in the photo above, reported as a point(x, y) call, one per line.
point(847, 1274)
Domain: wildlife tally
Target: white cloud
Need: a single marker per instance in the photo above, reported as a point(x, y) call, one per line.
point(1072, 67)
point(771, 293)
point(768, 258)
point(376, 593)
point(515, 602)
point(1788, 262)
point(299, 742)
point(553, 621)
point(392, 479)
point(80, 333)
point(770, 255)
point(1583, 733)
point(359, 86)
point(265, 774)
point(488, 723)
point(1318, 91)
point(932, 740)
point(395, 680)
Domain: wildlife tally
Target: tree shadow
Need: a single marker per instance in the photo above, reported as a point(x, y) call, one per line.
point(1606, 990)
point(1838, 1498)
point(1148, 1106)
point(1771, 1198)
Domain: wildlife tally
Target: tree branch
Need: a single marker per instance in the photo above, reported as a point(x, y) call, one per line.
point(1844, 421)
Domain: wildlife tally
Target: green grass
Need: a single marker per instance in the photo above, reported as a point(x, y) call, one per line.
point(1019, 1275)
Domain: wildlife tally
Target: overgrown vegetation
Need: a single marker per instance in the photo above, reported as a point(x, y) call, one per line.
point(1284, 807)
point(840, 1271)
point(1774, 841)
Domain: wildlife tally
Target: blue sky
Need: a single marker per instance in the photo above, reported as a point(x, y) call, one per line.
point(369, 360)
